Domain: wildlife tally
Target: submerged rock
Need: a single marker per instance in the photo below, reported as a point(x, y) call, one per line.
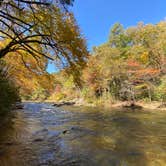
point(65, 131)
point(38, 140)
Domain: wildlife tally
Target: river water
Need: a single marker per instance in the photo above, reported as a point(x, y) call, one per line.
point(43, 135)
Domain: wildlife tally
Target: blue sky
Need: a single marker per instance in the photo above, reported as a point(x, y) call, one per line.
point(95, 17)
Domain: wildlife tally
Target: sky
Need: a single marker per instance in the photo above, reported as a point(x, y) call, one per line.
point(95, 17)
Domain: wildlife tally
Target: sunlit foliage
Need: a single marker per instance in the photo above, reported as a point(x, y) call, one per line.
point(131, 65)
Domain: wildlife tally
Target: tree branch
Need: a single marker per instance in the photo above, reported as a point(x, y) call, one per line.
point(34, 2)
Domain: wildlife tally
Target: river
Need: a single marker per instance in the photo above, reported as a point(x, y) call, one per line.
point(43, 135)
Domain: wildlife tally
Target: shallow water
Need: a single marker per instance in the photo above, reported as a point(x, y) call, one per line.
point(43, 135)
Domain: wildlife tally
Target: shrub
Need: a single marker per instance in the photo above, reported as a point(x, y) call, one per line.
point(8, 94)
point(160, 91)
point(39, 94)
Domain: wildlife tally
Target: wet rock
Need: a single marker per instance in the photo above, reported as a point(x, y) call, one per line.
point(19, 106)
point(54, 104)
point(65, 131)
point(67, 103)
point(77, 128)
point(58, 104)
point(38, 140)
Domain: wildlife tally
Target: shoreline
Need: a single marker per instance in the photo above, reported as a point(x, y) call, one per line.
point(151, 106)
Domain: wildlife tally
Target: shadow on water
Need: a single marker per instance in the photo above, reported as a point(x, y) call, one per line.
point(127, 147)
point(114, 141)
point(120, 138)
point(12, 135)
point(42, 135)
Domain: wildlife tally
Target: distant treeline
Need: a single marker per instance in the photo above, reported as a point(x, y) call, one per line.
point(130, 65)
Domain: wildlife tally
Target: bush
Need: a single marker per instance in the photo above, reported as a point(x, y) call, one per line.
point(39, 94)
point(160, 91)
point(8, 94)
point(57, 96)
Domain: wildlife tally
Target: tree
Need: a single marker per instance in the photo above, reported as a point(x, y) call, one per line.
point(118, 37)
point(8, 92)
point(27, 74)
point(130, 64)
point(41, 28)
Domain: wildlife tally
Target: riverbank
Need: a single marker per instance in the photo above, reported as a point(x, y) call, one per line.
point(153, 106)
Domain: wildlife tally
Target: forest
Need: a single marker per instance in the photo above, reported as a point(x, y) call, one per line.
point(129, 66)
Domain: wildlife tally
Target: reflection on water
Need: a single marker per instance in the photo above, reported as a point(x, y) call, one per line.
point(42, 135)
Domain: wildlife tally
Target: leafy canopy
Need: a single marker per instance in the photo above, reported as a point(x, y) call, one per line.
point(41, 28)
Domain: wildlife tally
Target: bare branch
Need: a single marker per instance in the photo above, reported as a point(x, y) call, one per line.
point(14, 18)
point(34, 2)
